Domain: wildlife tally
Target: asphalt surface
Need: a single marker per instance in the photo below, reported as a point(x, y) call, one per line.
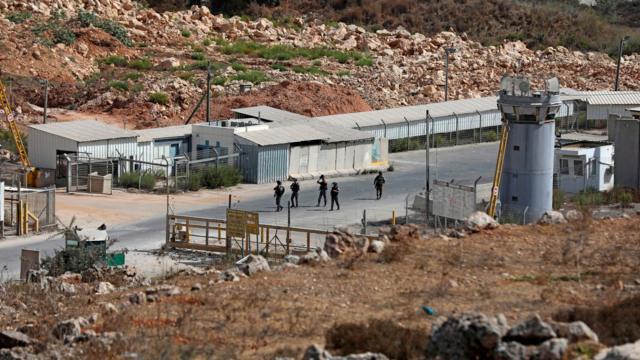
point(463, 164)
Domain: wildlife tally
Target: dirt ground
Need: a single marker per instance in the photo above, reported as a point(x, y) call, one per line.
point(373, 303)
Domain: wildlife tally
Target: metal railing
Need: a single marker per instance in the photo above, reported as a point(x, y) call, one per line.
point(209, 234)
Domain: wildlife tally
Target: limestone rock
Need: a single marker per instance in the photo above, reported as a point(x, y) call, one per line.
point(623, 352)
point(479, 220)
point(253, 264)
point(552, 349)
point(469, 336)
point(10, 339)
point(552, 217)
point(533, 331)
point(574, 332)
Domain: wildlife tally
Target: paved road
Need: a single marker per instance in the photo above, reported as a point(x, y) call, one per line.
point(463, 163)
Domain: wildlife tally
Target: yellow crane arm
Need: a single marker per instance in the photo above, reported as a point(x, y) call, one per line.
point(4, 105)
point(497, 176)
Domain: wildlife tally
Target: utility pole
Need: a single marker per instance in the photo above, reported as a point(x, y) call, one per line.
point(46, 100)
point(427, 188)
point(209, 92)
point(447, 51)
point(620, 49)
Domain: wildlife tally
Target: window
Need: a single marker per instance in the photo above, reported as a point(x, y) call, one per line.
point(564, 166)
point(578, 168)
point(516, 148)
point(514, 198)
point(594, 167)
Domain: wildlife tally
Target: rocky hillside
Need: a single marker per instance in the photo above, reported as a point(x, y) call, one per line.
point(146, 68)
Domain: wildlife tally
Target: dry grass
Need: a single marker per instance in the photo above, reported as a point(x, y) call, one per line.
point(515, 270)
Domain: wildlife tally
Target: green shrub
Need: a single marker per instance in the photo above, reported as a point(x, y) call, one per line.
point(279, 67)
point(186, 75)
point(114, 60)
point(344, 73)
point(197, 48)
point(490, 136)
point(133, 76)
point(219, 80)
point(119, 85)
point(145, 180)
point(6, 140)
point(317, 63)
point(195, 181)
point(75, 260)
point(206, 42)
point(197, 56)
point(159, 98)
point(141, 64)
point(238, 67)
point(137, 87)
point(588, 198)
point(215, 177)
point(253, 76)
point(558, 199)
point(309, 70)
point(19, 17)
point(365, 61)
point(112, 28)
point(185, 33)
point(54, 31)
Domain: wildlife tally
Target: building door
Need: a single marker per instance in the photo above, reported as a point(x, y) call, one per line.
point(304, 160)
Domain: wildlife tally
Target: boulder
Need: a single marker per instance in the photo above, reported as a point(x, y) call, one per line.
point(552, 217)
point(552, 349)
point(469, 336)
point(574, 215)
point(168, 64)
point(316, 352)
point(574, 332)
point(10, 339)
point(532, 331)
point(340, 242)
point(629, 351)
point(104, 287)
point(229, 275)
point(511, 351)
point(292, 259)
point(376, 246)
point(253, 264)
point(479, 221)
point(138, 298)
point(67, 330)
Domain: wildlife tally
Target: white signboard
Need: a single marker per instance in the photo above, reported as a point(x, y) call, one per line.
point(453, 201)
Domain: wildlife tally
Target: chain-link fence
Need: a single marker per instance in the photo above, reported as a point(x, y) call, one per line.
point(84, 173)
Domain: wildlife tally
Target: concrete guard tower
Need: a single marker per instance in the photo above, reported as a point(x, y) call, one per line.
point(526, 180)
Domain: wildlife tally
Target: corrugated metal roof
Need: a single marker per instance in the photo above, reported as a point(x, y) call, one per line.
point(634, 109)
point(284, 135)
point(615, 98)
point(84, 130)
point(338, 133)
point(268, 113)
point(602, 97)
point(413, 113)
point(163, 133)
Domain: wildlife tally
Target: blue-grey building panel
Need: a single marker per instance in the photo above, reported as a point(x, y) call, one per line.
point(273, 163)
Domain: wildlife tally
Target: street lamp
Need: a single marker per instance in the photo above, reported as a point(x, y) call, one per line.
point(620, 48)
point(447, 51)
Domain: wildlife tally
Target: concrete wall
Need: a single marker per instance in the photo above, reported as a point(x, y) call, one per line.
point(42, 148)
point(627, 153)
point(596, 164)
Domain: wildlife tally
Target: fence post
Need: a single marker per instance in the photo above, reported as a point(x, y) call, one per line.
point(480, 125)
point(288, 225)
point(457, 128)
point(206, 233)
point(364, 221)
point(308, 241)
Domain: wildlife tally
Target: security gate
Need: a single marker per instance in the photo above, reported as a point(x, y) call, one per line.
point(82, 172)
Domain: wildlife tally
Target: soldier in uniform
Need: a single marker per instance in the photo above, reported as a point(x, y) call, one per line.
point(278, 191)
point(323, 190)
point(295, 189)
point(334, 196)
point(378, 182)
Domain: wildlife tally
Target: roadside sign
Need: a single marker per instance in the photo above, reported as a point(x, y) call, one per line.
point(240, 223)
point(253, 223)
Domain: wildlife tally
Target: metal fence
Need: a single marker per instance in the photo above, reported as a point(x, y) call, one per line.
point(39, 202)
point(83, 173)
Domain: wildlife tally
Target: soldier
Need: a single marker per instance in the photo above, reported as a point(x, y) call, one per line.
point(334, 196)
point(378, 182)
point(323, 190)
point(295, 188)
point(278, 191)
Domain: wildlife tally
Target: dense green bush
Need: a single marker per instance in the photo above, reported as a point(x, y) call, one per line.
point(253, 76)
point(54, 30)
point(114, 60)
point(222, 176)
point(159, 98)
point(195, 181)
point(112, 28)
point(141, 64)
point(133, 76)
point(197, 56)
point(119, 85)
point(19, 17)
point(145, 180)
point(185, 33)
